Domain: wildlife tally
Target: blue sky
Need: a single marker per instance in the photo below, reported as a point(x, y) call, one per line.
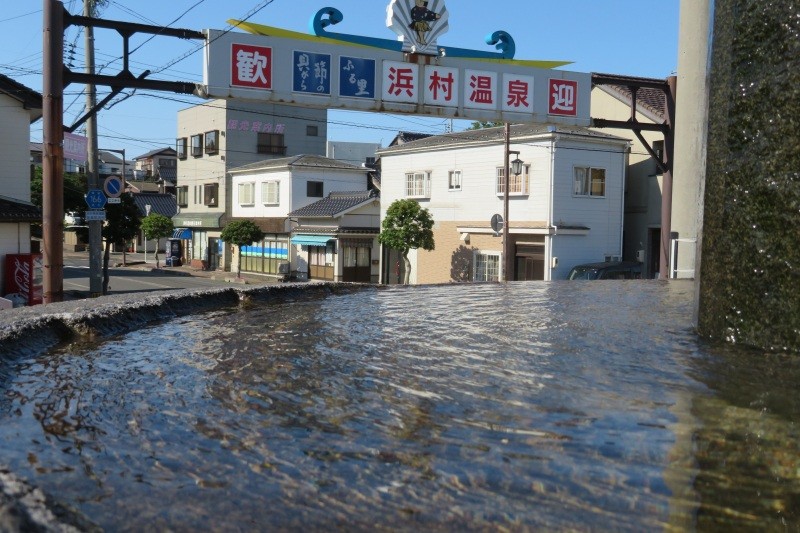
point(629, 37)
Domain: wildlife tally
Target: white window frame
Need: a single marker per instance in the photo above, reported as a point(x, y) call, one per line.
point(523, 180)
point(271, 192)
point(413, 189)
point(454, 180)
point(583, 185)
point(247, 193)
point(477, 274)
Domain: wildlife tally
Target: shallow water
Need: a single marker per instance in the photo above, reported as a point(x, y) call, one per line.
point(558, 406)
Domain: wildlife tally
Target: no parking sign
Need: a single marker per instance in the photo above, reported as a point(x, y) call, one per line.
point(113, 186)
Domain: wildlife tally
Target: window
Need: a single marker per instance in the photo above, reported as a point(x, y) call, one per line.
point(314, 189)
point(183, 196)
point(247, 193)
point(516, 184)
point(454, 180)
point(312, 131)
point(487, 267)
point(271, 143)
point(212, 142)
point(418, 184)
point(197, 145)
point(270, 193)
point(180, 147)
point(167, 163)
point(370, 161)
point(590, 182)
point(211, 195)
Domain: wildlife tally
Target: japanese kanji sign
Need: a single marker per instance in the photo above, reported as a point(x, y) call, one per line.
point(251, 66)
point(325, 74)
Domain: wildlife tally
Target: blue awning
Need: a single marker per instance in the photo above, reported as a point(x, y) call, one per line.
point(311, 240)
point(182, 233)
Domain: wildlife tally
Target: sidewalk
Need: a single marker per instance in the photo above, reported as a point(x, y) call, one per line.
point(135, 261)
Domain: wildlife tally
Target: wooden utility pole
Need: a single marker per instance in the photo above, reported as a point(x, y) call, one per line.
point(53, 154)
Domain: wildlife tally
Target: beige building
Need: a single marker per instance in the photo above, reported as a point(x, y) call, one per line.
point(643, 183)
point(220, 135)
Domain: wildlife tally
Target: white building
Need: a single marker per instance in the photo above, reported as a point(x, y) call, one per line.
point(355, 153)
point(19, 107)
point(566, 208)
point(267, 191)
point(220, 135)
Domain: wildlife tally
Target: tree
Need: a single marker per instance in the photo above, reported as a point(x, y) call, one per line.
point(407, 226)
point(156, 226)
point(240, 233)
point(74, 190)
point(483, 125)
point(122, 224)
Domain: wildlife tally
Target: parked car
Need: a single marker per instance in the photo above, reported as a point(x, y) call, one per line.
point(607, 270)
point(73, 218)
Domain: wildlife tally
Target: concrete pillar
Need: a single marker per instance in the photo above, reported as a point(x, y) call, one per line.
point(691, 125)
point(748, 283)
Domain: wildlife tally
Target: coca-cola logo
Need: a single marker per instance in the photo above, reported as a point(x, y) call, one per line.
point(22, 277)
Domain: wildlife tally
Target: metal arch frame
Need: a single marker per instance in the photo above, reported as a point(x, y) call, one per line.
point(667, 128)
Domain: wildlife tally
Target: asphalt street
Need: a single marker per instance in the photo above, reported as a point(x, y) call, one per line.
point(143, 277)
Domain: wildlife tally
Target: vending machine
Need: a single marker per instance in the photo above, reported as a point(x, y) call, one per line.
point(24, 279)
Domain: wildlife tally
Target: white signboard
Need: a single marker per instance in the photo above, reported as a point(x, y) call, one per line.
point(322, 73)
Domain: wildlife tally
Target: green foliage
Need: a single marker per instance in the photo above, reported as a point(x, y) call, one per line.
point(74, 190)
point(483, 125)
point(241, 233)
point(122, 220)
point(407, 226)
point(157, 226)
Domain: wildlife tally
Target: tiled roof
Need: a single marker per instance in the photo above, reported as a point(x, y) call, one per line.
point(168, 173)
point(312, 161)
point(163, 204)
point(335, 230)
point(30, 99)
point(519, 132)
point(403, 137)
point(336, 203)
point(648, 100)
point(12, 210)
point(169, 151)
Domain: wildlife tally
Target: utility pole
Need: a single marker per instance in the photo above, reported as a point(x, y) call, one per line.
point(92, 177)
point(53, 155)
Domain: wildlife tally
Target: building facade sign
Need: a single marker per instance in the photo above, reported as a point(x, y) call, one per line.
point(285, 67)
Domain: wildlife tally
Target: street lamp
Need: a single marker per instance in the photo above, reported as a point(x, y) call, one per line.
point(144, 237)
point(515, 167)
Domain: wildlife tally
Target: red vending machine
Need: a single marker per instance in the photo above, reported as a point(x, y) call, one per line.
point(24, 279)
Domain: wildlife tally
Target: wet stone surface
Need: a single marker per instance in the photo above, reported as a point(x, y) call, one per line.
point(558, 406)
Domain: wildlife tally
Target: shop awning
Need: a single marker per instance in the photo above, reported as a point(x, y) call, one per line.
point(311, 240)
point(182, 233)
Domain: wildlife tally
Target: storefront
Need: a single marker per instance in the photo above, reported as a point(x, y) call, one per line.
point(199, 234)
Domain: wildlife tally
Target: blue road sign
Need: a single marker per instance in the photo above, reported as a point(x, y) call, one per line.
point(95, 199)
point(113, 186)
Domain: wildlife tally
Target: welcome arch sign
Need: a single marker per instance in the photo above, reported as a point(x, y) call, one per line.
point(413, 74)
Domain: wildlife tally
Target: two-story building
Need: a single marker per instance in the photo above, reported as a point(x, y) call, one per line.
point(151, 165)
point(266, 192)
point(220, 135)
point(565, 208)
point(19, 107)
point(336, 238)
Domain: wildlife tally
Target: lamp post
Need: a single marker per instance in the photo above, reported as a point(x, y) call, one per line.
point(514, 166)
point(144, 237)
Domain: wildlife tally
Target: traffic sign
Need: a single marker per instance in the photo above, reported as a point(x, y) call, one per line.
point(115, 200)
point(113, 186)
point(497, 223)
point(95, 214)
point(95, 199)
